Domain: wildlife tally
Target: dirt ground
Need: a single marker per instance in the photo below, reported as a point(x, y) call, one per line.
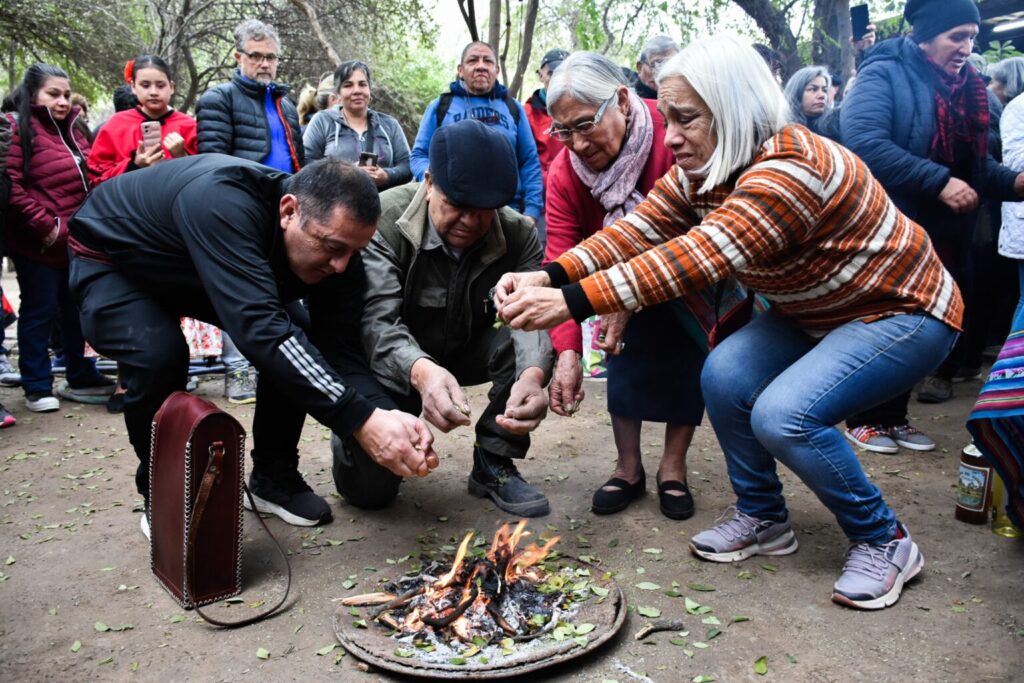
point(75, 557)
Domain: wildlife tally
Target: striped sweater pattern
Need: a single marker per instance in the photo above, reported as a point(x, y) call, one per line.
point(805, 225)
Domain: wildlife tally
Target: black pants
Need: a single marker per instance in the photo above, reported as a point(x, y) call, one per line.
point(143, 335)
point(490, 357)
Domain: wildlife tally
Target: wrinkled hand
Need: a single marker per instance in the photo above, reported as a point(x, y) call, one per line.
point(526, 405)
point(867, 40)
point(399, 442)
point(147, 157)
point(377, 174)
point(175, 144)
point(612, 330)
point(1018, 185)
point(444, 404)
point(566, 388)
point(534, 308)
point(511, 282)
point(959, 196)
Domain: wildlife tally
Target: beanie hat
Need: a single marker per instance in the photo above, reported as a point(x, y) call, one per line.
point(474, 165)
point(929, 18)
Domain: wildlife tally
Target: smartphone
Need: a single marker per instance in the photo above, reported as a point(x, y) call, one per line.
point(151, 134)
point(859, 19)
point(367, 159)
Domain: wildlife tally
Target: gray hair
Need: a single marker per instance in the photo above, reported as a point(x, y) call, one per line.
point(656, 46)
point(1009, 72)
point(585, 77)
point(254, 29)
point(978, 61)
point(747, 106)
point(798, 82)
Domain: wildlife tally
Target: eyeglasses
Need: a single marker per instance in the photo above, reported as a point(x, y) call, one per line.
point(584, 128)
point(260, 57)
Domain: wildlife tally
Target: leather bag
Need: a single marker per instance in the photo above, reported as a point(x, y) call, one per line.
point(196, 483)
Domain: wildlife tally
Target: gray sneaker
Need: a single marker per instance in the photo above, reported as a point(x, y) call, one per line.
point(874, 575)
point(9, 375)
point(743, 536)
point(912, 438)
point(935, 390)
point(239, 386)
point(872, 438)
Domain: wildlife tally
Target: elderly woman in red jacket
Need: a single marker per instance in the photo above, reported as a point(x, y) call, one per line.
point(615, 154)
point(119, 147)
point(46, 165)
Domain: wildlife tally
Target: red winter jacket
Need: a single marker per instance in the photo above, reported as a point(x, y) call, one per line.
point(53, 190)
point(113, 150)
point(540, 122)
point(574, 215)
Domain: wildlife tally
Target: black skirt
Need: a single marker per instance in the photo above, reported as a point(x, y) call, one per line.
point(656, 378)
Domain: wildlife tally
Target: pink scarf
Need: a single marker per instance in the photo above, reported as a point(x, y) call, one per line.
point(615, 187)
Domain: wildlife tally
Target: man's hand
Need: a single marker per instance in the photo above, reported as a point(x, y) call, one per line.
point(867, 40)
point(511, 282)
point(147, 157)
point(1018, 185)
point(526, 405)
point(535, 308)
point(566, 388)
point(612, 330)
point(959, 196)
point(399, 442)
point(175, 145)
point(444, 404)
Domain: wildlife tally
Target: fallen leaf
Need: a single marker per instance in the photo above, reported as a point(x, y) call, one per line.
point(76, 646)
point(612, 543)
point(681, 642)
point(584, 629)
point(792, 659)
point(177, 618)
point(761, 665)
point(9, 561)
point(653, 551)
point(400, 653)
point(712, 633)
point(711, 621)
point(652, 612)
point(648, 586)
point(101, 627)
point(263, 653)
point(134, 666)
point(324, 651)
point(691, 605)
point(702, 587)
point(348, 584)
point(703, 678)
point(738, 618)
point(599, 592)
point(701, 646)
point(769, 568)
point(744, 575)
point(108, 660)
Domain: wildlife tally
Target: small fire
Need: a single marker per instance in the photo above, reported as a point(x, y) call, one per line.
point(496, 596)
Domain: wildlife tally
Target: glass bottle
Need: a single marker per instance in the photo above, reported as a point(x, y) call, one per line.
point(1001, 523)
point(974, 488)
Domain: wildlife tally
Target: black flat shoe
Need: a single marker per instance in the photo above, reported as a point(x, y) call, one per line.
point(675, 507)
point(610, 502)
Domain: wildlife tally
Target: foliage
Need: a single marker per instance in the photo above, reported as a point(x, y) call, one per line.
point(998, 51)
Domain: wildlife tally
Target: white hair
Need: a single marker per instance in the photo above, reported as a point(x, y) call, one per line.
point(585, 77)
point(747, 106)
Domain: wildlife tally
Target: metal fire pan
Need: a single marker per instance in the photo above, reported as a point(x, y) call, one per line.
point(373, 645)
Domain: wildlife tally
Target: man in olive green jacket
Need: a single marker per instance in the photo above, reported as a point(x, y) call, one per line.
point(429, 324)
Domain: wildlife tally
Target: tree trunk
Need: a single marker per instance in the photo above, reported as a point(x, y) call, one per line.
point(494, 26)
point(830, 43)
point(318, 30)
point(775, 24)
point(526, 46)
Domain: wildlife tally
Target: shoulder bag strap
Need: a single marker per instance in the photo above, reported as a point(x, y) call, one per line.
point(210, 477)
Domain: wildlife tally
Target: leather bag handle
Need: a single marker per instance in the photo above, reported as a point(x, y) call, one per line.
point(211, 476)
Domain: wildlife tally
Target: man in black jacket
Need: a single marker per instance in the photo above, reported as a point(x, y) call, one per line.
point(251, 118)
point(237, 244)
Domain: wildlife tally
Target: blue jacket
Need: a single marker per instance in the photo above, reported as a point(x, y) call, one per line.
point(888, 120)
point(491, 109)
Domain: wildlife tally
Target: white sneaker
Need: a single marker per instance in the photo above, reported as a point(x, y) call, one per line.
point(42, 403)
point(144, 525)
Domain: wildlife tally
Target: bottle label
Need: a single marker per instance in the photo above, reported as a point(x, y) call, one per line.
point(972, 487)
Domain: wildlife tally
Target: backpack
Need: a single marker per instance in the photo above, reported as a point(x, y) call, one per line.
point(444, 103)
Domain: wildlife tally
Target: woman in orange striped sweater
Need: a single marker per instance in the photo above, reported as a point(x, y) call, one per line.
point(861, 306)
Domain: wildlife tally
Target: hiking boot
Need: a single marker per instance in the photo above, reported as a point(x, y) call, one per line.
point(743, 536)
point(912, 438)
point(96, 391)
point(239, 386)
point(6, 419)
point(874, 575)
point(498, 478)
point(874, 438)
point(115, 404)
point(935, 390)
point(42, 402)
point(9, 375)
point(289, 497)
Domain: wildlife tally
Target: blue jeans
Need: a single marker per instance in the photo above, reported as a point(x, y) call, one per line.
point(774, 393)
point(44, 299)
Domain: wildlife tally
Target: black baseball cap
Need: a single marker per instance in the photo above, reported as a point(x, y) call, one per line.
point(553, 58)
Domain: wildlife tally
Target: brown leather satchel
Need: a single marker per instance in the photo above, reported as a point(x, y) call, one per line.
point(196, 482)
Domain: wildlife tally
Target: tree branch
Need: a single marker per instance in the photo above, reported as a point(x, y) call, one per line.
point(318, 30)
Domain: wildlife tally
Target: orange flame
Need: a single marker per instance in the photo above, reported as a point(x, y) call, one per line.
point(446, 580)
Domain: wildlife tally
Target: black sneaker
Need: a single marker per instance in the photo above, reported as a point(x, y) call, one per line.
point(498, 478)
point(289, 497)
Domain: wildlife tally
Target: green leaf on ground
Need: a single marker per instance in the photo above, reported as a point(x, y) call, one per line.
point(652, 612)
point(177, 618)
point(648, 586)
point(599, 591)
point(712, 633)
point(326, 650)
point(701, 646)
point(792, 658)
point(108, 660)
point(673, 593)
point(745, 575)
point(581, 640)
point(458, 661)
point(702, 587)
point(263, 653)
point(653, 551)
point(76, 646)
point(101, 627)
point(703, 678)
point(692, 605)
point(584, 629)
point(612, 543)
point(711, 621)
point(739, 617)
point(681, 642)
point(400, 653)
point(9, 561)
point(769, 568)
point(348, 584)
point(761, 665)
